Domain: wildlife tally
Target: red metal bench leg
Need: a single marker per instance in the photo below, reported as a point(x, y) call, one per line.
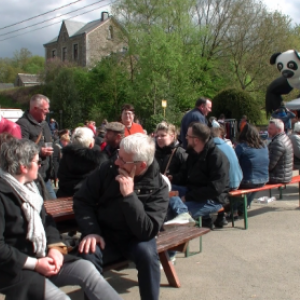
point(169, 269)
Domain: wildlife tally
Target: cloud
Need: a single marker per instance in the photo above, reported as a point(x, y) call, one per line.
point(15, 11)
point(290, 8)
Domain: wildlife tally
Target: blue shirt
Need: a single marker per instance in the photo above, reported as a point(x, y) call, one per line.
point(235, 171)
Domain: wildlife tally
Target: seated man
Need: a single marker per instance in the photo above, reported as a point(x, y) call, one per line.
point(121, 207)
point(280, 153)
point(34, 263)
point(207, 178)
point(113, 137)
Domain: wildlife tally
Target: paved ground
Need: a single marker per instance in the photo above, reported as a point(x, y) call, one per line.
point(261, 263)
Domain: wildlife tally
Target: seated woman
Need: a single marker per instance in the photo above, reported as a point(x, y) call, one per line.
point(78, 160)
point(253, 156)
point(170, 157)
point(172, 161)
point(34, 262)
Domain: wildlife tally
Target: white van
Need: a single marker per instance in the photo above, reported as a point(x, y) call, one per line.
point(11, 114)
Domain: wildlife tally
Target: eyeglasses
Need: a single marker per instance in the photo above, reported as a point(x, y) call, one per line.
point(38, 162)
point(126, 162)
point(190, 136)
point(44, 109)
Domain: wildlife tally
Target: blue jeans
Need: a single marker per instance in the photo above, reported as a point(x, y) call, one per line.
point(175, 208)
point(50, 189)
point(202, 209)
point(145, 257)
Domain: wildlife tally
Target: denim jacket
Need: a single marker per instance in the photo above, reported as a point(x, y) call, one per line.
point(254, 163)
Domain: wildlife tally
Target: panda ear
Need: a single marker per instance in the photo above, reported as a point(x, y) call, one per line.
point(297, 54)
point(273, 58)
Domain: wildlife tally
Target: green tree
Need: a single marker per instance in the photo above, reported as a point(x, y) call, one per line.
point(65, 97)
point(164, 54)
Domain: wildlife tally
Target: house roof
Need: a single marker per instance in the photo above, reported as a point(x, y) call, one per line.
point(29, 78)
point(75, 28)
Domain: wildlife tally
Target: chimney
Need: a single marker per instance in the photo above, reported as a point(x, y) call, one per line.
point(104, 16)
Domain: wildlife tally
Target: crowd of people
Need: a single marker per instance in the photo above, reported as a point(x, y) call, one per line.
point(120, 178)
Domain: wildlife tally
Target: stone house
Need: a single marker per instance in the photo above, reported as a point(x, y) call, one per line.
point(86, 43)
point(24, 79)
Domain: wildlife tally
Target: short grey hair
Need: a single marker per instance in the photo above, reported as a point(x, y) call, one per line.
point(83, 136)
point(278, 124)
point(37, 100)
point(141, 146)
point(17, 153)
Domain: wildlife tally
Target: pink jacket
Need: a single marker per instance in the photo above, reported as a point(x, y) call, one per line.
point(10, 127)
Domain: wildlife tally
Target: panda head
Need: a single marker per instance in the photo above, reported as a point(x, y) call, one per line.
point(288, 63)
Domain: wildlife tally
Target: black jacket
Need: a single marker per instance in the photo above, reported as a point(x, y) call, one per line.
point(101, 209)
point(281, 159)
point(76, 163)
point(207, 176)
point(15, 247)
point(31, 130)
point(178, 163)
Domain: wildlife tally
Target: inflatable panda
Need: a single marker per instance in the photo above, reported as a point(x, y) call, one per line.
point(288, 63)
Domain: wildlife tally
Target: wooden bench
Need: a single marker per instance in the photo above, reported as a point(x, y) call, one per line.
point(243, 193)
point(174, 237)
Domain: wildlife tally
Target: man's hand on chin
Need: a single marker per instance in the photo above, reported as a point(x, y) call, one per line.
point(126, 181)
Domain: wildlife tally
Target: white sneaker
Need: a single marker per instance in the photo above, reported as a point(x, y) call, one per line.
point(184, 218)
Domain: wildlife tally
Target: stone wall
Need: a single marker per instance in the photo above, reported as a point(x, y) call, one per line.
point(100, 43)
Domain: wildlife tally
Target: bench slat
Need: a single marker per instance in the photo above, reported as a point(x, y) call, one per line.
point(178, 235)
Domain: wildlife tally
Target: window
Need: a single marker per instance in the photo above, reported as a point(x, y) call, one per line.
point(64, 53)
point(53, 55)
point(75, 51)
point(110, 33)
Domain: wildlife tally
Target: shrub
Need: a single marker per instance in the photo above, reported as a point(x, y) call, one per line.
point(234, 103)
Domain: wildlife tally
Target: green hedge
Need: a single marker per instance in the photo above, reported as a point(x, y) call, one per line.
point(234, 103)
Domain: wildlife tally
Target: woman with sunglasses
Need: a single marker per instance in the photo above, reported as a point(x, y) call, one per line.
point(34, 262)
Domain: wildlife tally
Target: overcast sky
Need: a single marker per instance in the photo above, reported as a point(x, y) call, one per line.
point(14, 11)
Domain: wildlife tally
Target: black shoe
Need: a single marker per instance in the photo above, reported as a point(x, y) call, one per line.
point(220, 222)
point(208, 223)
